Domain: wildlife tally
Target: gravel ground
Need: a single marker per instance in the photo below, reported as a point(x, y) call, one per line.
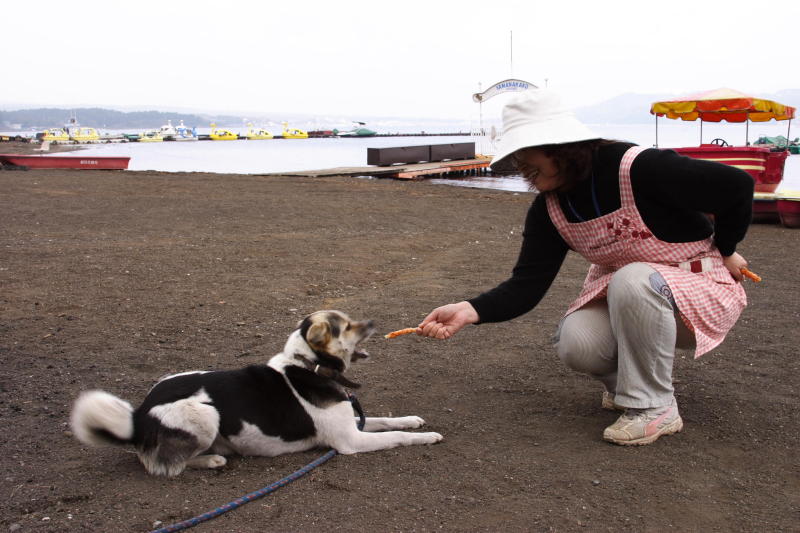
point(112, 279)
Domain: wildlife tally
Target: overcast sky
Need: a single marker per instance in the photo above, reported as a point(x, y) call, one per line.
point(376, 58)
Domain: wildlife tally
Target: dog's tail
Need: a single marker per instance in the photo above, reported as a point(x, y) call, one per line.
point(100, 418)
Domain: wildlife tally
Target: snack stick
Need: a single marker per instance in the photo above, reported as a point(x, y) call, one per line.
point(752, 275)
point(399, 332)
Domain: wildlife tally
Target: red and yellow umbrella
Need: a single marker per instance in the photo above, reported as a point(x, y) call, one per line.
point(723, 104)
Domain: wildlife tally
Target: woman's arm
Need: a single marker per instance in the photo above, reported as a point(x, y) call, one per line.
point(540, 258)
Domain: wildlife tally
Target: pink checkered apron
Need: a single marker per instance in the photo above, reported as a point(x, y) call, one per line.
point(709, 301)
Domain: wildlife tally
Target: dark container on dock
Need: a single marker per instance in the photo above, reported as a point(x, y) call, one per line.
point(398, 154)
point(441, 152)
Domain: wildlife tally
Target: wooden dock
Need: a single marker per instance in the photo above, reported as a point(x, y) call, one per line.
point(441, 169)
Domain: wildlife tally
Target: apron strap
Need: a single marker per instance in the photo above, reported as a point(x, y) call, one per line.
point(625, 189)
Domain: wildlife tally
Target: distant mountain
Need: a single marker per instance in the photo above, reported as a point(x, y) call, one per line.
point(42, 118)
point(631, 108)
point(786, 96)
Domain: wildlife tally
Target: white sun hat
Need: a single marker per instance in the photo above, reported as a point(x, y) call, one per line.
point(536, 118)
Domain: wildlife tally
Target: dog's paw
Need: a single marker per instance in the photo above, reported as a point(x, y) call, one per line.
point(431, 438)
point(409, 422)
point(216, 461)
point(207, 461)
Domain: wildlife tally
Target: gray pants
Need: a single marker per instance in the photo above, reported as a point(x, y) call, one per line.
point(628, 340)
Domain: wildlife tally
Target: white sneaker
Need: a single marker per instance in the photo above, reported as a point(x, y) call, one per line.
point(644, 426)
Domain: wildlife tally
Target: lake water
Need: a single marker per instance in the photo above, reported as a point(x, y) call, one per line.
point(282, 155)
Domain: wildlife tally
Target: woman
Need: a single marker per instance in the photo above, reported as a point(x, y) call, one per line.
point(662, 274)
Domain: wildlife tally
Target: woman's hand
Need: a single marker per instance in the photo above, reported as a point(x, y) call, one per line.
point(735, 263)
point(445, 321)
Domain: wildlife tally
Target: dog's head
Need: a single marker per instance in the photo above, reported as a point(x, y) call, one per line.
point(334, 337)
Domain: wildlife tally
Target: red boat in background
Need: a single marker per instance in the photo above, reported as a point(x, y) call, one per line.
point(765, 166)
point(730, 105)
point(64, 161)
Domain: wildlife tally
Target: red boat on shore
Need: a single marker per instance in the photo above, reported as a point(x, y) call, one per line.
point(789, 208)
point(765, 165)
point(64, 161)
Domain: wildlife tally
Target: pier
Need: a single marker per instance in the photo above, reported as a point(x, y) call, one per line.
point(439, 169)
point(413, 162)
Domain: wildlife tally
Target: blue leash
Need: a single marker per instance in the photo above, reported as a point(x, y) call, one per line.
point(247, 498)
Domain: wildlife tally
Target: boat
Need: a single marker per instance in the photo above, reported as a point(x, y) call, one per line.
point(219, 134)
point(83, 135)
point(322, 133)
point(765, 207)
point(255, 134)
point(151, 136)
point(779, 142)
point(182, 133)
point(789, 208)
point(168, 131)
point(64, 161)
point(293, 133)
point(765, 165)
point(358, 130)
point(55, 135)
point(80, 134)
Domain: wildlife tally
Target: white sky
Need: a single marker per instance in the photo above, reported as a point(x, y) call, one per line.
point(375, 58)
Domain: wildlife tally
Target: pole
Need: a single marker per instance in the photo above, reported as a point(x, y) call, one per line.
point(701, 131)
point(747, 130)
point(656, 146)
point(480, 112)
point(511, 53)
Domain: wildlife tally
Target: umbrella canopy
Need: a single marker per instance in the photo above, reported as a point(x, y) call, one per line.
point(723, 104)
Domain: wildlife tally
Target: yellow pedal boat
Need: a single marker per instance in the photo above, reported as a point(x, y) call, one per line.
point(83, 135)
point(293, 133)
point(219, 134)
point(55, 135)
point(257, 134)
point(151, 136)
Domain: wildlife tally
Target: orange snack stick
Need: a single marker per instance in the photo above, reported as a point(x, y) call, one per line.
point(752, 275)
point(393, 334)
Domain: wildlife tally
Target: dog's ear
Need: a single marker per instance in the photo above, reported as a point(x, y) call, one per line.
point(319, 335)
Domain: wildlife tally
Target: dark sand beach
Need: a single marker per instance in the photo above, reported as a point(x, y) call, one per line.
point(112, 279)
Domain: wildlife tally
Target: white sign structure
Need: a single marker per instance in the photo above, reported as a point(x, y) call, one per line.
point(505, 86)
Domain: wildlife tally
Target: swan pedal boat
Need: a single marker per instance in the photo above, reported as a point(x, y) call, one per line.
point(83, 135)
point(219, 134)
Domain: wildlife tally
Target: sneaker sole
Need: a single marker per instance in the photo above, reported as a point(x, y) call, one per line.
point(673, 427)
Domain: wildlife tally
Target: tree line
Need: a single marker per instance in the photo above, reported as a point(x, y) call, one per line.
point(43, 118)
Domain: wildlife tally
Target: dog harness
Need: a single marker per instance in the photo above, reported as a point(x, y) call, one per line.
point(708, 298)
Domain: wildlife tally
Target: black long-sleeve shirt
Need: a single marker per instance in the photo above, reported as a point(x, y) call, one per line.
point(672, 192)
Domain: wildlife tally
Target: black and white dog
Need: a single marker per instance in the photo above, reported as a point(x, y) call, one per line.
point(297, 401)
